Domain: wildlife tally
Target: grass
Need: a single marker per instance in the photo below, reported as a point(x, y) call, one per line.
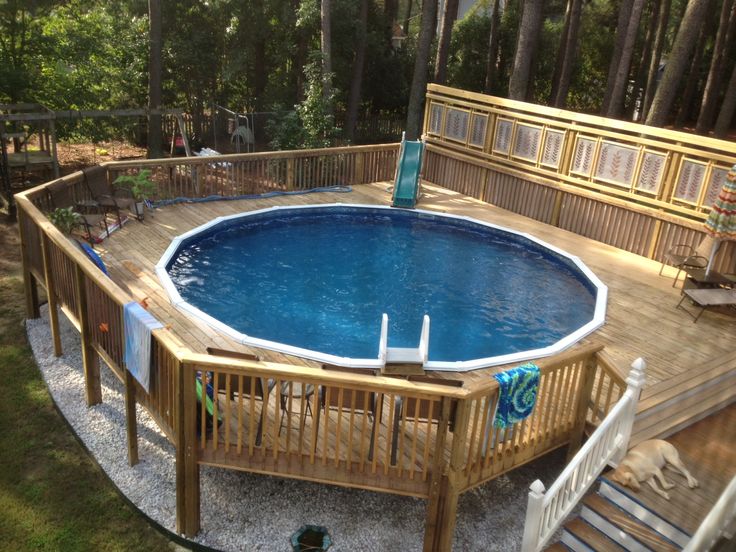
point(52, 495)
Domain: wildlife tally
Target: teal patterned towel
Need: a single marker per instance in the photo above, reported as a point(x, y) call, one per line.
point(517, 394)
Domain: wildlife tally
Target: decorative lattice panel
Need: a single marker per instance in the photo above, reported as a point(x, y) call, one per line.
point(690, 180)
point(616, 163)
point(526, 142)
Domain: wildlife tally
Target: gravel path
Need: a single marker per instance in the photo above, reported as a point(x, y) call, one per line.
point(242, 511)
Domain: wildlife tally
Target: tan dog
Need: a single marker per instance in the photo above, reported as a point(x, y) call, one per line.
point(645, 461)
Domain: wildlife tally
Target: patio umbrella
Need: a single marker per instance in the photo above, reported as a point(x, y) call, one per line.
point(721, 223)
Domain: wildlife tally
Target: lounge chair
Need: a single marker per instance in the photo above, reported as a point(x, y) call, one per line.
point(90, 213)
point(706, 298)
point(252, 387)
point(109, 198)
point(683, 256)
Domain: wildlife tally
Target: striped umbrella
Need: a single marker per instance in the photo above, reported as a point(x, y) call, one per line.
point(721, 223)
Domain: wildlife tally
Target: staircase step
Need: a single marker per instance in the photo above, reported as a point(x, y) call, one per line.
point(557, 547)
point(620, 526)
point(591, 536)
point(631, 504)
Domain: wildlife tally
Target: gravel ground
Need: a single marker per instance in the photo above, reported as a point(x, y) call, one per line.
point(242, 511)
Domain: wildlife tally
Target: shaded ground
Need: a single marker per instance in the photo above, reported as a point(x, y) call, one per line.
point(52, 496)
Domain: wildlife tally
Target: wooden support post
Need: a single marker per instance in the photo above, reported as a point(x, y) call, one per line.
point(557, 209)
point(54, 157)
point(187, 468)
point(290, 174)
point(29, 281)
point(90, 359)
point(51, 295)
point(654, 240)
point(358, 176)
point(581, 412)
point(442, 508)
point(131, 422)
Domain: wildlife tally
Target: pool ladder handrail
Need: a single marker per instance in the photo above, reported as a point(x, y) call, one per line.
point(403, 355)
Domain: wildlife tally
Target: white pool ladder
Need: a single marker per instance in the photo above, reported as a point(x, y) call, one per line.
point(403, 355)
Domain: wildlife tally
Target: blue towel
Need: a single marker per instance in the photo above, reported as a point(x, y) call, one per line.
point(137, 326)
point(517, 394)
point(94, 257)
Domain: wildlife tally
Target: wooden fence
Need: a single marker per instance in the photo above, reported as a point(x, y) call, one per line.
point(416, 438)
point(638, 188)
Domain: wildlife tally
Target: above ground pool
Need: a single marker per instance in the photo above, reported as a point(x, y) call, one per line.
point(315, 281)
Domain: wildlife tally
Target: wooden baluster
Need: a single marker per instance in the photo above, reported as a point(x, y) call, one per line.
point(51, 293)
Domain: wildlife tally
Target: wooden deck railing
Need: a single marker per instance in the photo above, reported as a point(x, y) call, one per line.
point(258, 173)
point(420, 439)
point(638, 188)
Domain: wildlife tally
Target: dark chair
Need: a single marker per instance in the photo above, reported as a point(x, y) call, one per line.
point(90, 213)
point(252, 387)
point(355, 400)
point(683, 256)
point(108, 197)
point(428, 411)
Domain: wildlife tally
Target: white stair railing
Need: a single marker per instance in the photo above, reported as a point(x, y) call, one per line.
point(608, 444)
point(720, 522)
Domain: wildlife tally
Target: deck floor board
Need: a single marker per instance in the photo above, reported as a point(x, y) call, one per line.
point(641, 319)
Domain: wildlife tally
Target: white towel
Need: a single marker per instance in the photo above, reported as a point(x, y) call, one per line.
point(137, 325)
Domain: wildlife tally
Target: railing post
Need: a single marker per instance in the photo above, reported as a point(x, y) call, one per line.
point(442, 509)
point(90, 359)
point(51, 294)
point(29, 280)
point(634, 385)
point(290, 173)
point(534, 511)
point(359, 167)
point(187, 468)
point(131, 422)
point(586, 388)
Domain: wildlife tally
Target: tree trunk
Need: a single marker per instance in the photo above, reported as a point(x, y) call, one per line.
point(326, 46)
point(357, 81)
point(449, 15)
point(492, 61)
point(566, 54)
point(622, 28)
point(620, 84)
point(526, 45)
point(677, 61)
point(391, 9)
point(155, 142)
point(260, 73)
point(643, 68)
point(728, 107)
point(419, 80)
point(409, 6)
point(686, 98)
point(659, 39)
point(724, 38)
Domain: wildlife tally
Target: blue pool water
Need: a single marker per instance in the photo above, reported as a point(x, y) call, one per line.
point(320, 279)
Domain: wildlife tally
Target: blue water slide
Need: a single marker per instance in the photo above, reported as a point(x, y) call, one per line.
point(406, 187)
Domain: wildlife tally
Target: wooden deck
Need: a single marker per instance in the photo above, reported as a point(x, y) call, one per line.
point(641, 320)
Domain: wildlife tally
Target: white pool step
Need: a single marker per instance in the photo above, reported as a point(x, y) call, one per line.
point(404, 355)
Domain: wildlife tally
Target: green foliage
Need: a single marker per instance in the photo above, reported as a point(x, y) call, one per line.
point(65, 219)
point(469, 52)
point(312, 124)
point(140, 184)
point(597, 33)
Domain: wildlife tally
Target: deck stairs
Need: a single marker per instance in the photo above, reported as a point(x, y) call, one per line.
point(611, 519)
point(616, 518)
